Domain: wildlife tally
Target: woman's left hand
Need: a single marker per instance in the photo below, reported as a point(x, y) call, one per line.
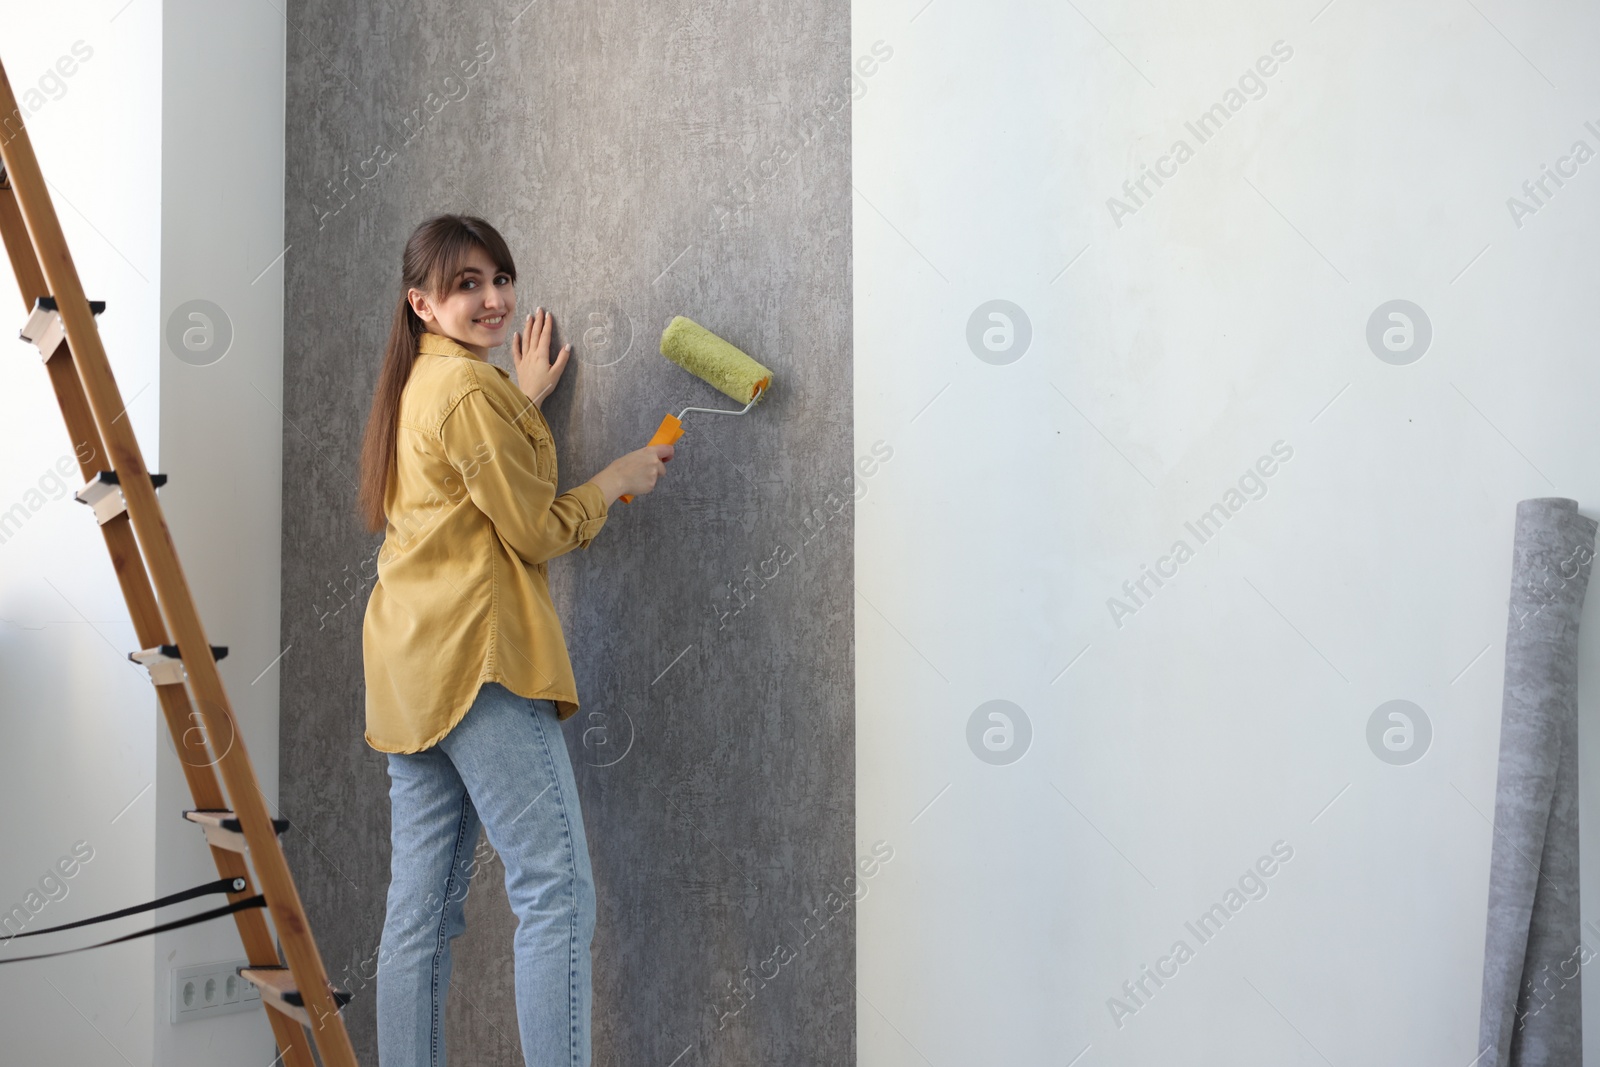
point(537, 375)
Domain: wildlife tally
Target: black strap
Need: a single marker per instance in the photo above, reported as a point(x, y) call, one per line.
point(257, 901)
point(221, 885)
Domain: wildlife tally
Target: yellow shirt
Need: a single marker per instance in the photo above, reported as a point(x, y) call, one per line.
point(461, 596)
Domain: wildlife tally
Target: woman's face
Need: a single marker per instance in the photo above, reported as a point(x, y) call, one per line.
point(476, 309)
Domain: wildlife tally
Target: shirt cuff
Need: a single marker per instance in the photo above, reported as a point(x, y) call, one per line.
point(594, 506)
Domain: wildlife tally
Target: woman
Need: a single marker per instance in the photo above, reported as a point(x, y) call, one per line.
point(467, 675)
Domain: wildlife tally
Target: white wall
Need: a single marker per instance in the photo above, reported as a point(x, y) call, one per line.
point(165, 150)
point(79, 756)
point(222, 243)
point(1226, 314)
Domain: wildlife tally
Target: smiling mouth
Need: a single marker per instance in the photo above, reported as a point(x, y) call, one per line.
point(492, 321)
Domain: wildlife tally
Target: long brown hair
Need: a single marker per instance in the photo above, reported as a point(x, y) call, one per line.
point(433, 256)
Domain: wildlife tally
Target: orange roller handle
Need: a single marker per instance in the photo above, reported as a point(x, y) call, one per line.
point(667, 433)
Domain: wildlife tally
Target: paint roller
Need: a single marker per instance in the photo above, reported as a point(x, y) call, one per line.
point(712, 360)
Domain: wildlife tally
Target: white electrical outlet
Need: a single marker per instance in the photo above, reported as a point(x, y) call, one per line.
point(210, 989)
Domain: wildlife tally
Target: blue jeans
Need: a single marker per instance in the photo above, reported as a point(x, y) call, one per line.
point(505, 763)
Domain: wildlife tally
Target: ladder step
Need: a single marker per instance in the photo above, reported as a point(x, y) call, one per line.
point(44, 327)
point(278, 991)
point(104, 494)
point(166, 666)
point(222, 827)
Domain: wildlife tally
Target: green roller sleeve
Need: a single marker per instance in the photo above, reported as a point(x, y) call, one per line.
point(708, 357)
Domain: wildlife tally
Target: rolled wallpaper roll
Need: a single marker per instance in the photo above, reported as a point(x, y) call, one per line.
point(1531, 1014)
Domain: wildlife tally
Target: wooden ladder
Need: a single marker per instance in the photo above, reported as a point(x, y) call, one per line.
point(123, 494)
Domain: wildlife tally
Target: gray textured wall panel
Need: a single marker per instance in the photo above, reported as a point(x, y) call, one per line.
point(1528, 1015)
point(642, 162)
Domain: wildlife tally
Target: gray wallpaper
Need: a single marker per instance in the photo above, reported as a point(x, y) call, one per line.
point(643, 161)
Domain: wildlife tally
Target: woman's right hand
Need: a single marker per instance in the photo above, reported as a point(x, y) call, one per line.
point(634, 473)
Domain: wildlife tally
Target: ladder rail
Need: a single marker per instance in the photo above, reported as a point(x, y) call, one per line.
point(159, 598)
